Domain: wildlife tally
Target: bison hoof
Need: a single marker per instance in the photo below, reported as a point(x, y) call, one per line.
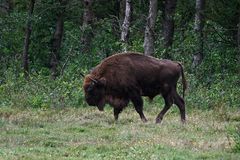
point(144, 120)
point(158, 121)
point(183, 121)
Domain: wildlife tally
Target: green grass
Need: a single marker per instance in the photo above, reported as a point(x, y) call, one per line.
point(86, 133)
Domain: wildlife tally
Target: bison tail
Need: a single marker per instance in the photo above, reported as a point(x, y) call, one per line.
point(184, 82)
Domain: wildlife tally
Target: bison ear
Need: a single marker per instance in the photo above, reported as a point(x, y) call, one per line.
point(102, 81)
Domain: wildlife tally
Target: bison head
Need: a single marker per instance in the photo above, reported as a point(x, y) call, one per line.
point(95, 91)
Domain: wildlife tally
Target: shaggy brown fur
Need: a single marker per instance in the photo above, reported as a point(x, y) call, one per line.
point(126, 77)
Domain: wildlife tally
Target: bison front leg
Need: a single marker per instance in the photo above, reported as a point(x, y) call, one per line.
point(116, 112)
point(138, 104)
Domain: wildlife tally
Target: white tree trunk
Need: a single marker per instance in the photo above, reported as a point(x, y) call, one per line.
point(126, 24)
point(88, 18)
point(198, 27)
point(149, 30)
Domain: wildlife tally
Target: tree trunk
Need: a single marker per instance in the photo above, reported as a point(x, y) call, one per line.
point(238, 37)
point(88, 17)
point(10, 5)
point(126, 24)
point(149, 30)
point(57, 40)
point(6, 6)
point(198, 27)
point(27, 39)
point(168, 24)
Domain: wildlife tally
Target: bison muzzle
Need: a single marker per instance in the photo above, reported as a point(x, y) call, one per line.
point(126, 77)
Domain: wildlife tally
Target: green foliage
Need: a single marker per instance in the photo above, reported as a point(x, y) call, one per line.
point(105, 41)
point(218, 91)
point(42, 92)
point(11, 34)
point(37, 101)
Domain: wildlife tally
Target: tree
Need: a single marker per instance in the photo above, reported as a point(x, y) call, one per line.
point(149, 30)
point(198, 27)
point(126, 23)
point(27, 39)
point(238, 37)
point(88, 17)
point(6, 6)
point(168, 24)
point(57, 39)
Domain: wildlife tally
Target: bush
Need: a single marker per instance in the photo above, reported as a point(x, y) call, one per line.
point(211, 94)
point(42, 92)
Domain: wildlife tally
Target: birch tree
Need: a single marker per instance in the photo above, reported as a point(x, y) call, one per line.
point(198, 27)
point(126, 24)
point(149, 30)
point(88, 17)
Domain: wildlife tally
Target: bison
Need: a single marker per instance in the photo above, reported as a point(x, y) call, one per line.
point(126, 77)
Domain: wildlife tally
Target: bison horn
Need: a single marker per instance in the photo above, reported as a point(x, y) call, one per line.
point(94, 80)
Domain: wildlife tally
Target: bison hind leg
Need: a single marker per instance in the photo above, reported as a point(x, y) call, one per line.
point(178, 100)
point(168, 103)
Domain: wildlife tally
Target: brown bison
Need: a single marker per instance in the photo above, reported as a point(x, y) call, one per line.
point(126, 77)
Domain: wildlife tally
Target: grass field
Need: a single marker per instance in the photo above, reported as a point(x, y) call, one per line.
point(86, 133)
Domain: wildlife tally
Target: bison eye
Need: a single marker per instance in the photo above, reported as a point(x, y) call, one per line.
point(91, 86)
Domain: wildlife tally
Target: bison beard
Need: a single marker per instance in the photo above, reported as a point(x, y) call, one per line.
point(127, 77)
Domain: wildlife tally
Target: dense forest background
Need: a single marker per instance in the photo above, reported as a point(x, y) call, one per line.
point(46, 44)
